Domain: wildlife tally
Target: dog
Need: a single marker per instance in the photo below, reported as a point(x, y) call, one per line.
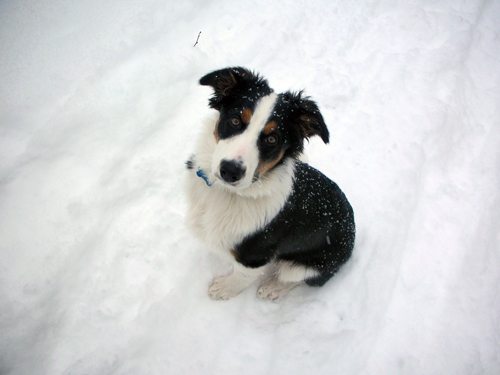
point(253, 201)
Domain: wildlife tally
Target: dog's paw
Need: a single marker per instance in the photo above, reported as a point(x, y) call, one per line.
point(273, 289)
point(224, 288)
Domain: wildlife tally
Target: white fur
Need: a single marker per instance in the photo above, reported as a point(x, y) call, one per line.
point(226, 287)
point(243, 147)
point(287, 272)
point(272, 289)
point(283, 277)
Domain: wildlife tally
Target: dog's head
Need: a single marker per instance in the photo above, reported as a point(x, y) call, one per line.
point(257, 129)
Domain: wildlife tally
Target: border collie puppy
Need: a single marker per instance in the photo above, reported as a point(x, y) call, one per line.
point(253, 201)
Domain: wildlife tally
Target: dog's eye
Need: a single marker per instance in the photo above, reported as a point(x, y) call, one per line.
point(235, 121)
point(271, 139)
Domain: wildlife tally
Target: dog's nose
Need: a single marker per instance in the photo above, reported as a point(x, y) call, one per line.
point(231, 171)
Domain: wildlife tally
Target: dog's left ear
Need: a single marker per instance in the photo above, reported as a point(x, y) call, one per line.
point(310, 120)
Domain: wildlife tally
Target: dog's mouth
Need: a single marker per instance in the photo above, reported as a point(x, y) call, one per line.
point(226, 183)
point(239, 185)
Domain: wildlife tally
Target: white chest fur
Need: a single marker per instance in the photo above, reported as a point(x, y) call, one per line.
point(221, 217)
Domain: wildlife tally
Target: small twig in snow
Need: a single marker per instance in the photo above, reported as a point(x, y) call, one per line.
point(197, 39)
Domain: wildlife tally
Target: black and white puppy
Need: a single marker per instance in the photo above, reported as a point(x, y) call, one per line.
point(253, 201)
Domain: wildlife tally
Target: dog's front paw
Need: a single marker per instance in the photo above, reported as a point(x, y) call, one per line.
point(224, 288)
point(273, 289)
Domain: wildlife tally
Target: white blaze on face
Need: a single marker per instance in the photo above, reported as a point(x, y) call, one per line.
point(242, 148)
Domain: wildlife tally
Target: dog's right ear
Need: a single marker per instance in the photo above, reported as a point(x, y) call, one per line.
point(225, 79)
point(230, 81)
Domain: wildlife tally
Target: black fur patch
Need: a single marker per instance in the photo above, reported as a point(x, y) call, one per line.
point(233, 87)
point(315, 228)
point(297, 118)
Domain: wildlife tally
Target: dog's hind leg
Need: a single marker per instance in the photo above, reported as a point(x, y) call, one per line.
point(273, 288)
point(226, 287)
point(285, 276)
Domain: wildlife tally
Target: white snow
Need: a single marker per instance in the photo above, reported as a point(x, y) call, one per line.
point(99, 109)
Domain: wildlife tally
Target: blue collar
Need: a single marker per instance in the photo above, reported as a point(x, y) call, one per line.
point(201, 173)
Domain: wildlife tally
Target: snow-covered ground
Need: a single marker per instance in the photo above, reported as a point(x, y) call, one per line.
point(99, 108)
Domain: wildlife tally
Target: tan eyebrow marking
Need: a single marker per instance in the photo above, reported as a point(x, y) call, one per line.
point(270, 127)
point(246, 115)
